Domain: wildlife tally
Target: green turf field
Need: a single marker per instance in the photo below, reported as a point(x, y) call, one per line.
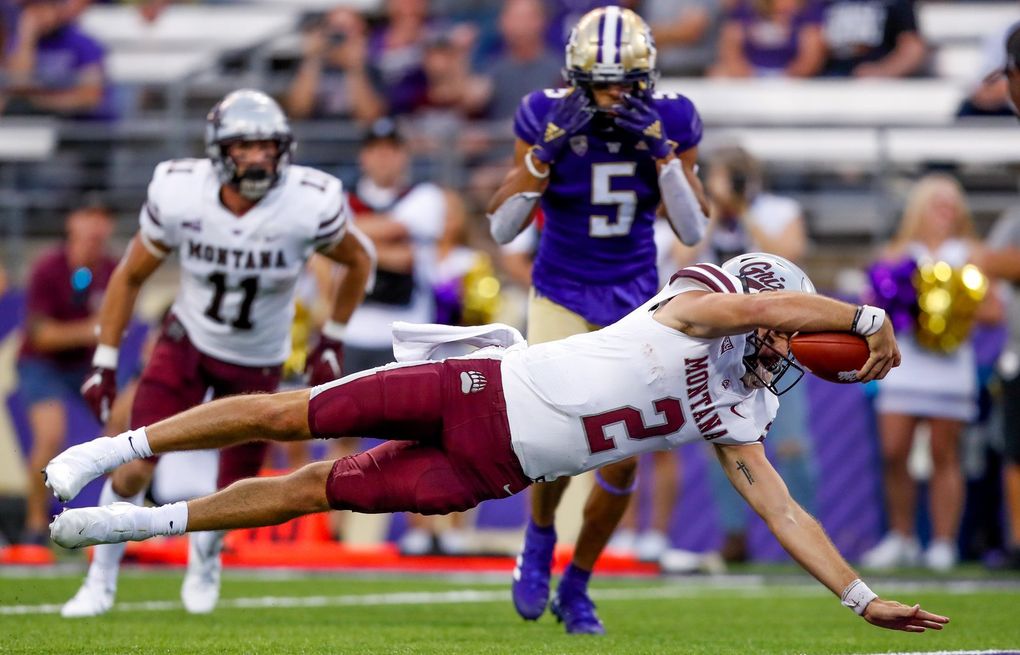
point(354, 614)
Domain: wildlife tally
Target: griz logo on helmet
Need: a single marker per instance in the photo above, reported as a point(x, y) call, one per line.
point(761, 276)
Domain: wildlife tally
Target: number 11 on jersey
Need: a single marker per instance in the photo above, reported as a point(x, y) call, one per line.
point(250, 287)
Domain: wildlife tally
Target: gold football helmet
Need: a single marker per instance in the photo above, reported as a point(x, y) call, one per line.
point(611, 45)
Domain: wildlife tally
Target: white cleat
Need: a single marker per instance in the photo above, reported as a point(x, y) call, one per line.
point(201, 589)
point(93, 598)
point(88, 526)
point(68, 473)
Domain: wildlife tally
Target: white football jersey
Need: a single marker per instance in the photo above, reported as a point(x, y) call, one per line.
point(238, 273)
point(632, 387)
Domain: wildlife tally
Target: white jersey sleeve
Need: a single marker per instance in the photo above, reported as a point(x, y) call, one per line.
point(169, 200)
point(329, 207)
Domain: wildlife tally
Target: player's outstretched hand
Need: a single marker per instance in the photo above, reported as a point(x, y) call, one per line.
point(638, 116)
point(897, 616)
point(325, 364)
point(566, 116)
point(885, 354)
point(99, 391)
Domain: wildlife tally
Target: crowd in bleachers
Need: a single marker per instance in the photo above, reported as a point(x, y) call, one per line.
point(406, 58)
point(452, 74)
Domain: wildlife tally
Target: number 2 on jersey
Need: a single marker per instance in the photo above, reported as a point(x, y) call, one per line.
point(602, 194)
point(250, 286)
point(634, 424)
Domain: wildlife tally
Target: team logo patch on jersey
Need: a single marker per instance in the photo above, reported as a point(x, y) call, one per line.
point(579, 144)
point(613, 146)
point(727, 345)
point(553, 131)
point(471, 382)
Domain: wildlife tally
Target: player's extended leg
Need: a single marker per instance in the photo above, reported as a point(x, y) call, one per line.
point(221, 423)
point(602, 512)
point(250, 503)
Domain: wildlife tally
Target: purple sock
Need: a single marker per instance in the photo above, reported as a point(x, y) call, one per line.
point(548, 531)
point(575, 578)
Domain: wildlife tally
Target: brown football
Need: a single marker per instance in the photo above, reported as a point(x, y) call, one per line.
point(832, 356)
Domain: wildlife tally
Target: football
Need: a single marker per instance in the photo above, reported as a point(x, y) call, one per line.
point(832, 356)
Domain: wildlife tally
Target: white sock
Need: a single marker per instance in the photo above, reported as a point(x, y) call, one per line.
point(168, 519)
point(208, 543)
point(132, 445)
point(106, 557)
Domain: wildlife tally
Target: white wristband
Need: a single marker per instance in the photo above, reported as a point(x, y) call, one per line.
point(868, 320)
point(856, 596)
point(334, 330)
point(105, 357)
point(530, 165)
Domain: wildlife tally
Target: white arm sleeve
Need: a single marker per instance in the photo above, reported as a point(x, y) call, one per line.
point(682, 207)
point(506, 222)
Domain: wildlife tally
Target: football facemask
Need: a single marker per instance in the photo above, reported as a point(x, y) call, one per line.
point(767, 368)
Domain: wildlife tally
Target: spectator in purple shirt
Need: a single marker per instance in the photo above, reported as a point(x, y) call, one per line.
point(763, 38)
point(64, 291)
point(54, 67)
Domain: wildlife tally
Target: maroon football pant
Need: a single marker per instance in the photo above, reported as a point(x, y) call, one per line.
point(450, 447)
point(177, 377)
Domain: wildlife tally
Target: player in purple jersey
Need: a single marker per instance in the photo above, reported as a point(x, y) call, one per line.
point(602, 157)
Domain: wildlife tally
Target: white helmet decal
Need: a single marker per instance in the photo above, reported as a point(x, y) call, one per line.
point(764, 272)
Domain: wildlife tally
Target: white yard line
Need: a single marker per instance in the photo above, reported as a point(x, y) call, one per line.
point(746, 587)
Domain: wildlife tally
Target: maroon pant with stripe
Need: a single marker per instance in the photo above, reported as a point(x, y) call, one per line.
point(177, 377)
point(450, 440)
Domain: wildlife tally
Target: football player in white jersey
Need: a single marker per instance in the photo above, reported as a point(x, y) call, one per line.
point(243, 222)
point(702, 360)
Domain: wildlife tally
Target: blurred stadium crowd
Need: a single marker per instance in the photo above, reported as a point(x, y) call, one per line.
point(860, 137)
